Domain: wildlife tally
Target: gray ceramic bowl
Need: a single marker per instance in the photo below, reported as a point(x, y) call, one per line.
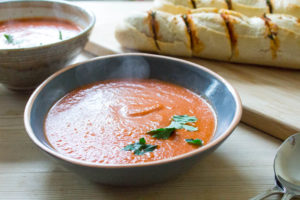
point(221, 95)
point(25, 68)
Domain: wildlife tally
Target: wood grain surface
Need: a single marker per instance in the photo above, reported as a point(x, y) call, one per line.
point(270, 96)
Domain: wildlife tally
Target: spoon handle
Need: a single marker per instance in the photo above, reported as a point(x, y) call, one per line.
point(274, 190)
point(287, 196)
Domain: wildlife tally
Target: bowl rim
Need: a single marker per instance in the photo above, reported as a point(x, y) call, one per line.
point(53, 152)
point(89, 13)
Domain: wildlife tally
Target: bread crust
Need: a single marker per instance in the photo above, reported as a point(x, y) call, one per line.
point(172, 35)
point(288, 7)
point(211, 39)
point(135, 33)
point(170, 7)
point(272, 40)
point(288, 34)
point(219, 4)
point(252, 44)
point(249, 8)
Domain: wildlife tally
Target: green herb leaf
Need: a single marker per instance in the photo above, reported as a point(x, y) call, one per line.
point(142, 141)
point(189, 128)
point(184, 118)
point(140, 148)
point(9, 38)
point(179, 122)
point(198, 142)
point(162, 133)
point(60, 35)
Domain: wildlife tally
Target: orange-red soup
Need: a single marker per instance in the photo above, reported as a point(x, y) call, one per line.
point(30, 32)
point(95, 122)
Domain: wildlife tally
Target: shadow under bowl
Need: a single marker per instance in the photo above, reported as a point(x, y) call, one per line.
point(26, 68)
point(218, 92)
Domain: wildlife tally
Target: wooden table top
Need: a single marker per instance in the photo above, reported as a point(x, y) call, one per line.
point(239, 169)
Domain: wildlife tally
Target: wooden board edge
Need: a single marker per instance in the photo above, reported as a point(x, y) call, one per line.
point(268, 124)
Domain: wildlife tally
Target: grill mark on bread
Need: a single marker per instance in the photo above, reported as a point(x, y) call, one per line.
point(153, 26)
point(232, 35)
point(229, 4)
point(188, 29)
point(194, 4)
point(270, 5)
point(272, 31)
point(196, 45)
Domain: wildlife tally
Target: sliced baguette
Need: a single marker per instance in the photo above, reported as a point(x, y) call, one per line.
point(272, 40)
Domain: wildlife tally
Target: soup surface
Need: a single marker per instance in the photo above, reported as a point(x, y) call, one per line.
point(94, 123)
point(30, 32)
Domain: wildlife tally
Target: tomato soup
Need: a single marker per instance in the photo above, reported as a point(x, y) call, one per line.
point(98, 122)
point(30, 32)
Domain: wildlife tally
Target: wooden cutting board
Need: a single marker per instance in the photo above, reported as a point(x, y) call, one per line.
point(270, 96)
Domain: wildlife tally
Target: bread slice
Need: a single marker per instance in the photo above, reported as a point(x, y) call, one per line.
point(210, 36)
point(135, 33)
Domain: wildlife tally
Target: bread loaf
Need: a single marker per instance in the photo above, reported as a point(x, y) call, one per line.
point(249, 8)
point(272, 39)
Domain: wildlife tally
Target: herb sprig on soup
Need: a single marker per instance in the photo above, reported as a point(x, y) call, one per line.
point(129, 121)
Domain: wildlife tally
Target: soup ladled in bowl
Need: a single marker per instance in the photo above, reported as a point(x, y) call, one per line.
point(131, 119)
point(37, 38)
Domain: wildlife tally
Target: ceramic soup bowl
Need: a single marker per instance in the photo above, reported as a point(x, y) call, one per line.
point(219, 93)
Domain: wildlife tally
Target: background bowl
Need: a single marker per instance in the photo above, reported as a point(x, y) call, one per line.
point(220, 94)
point(25, 68)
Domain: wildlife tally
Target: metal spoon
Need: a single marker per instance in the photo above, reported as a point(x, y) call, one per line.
point(287, 170)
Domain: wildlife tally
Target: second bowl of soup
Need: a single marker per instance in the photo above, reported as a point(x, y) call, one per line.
point(37, 38)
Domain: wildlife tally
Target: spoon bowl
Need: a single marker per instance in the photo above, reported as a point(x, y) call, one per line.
point(287, 165)
point(287, 170)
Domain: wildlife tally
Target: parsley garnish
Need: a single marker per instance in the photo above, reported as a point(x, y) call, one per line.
point(60, 35)
point(9, 38)
point(178, 122)
point(162, 133)
point(198, 142)
point(140, 147)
